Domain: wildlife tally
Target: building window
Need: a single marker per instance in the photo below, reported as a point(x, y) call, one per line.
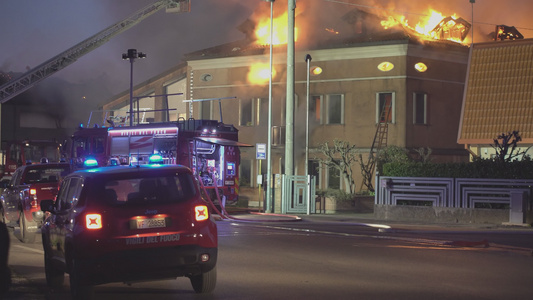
point(205, 110)
point(385, 108)
point(314, 170)
point(245, 172)
point(334, 178)
point(246, 112)
point(335, 109)
point(261, 111)
point(315, 111)
point(419, 108)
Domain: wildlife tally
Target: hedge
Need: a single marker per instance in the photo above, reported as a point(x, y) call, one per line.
point(478, 169)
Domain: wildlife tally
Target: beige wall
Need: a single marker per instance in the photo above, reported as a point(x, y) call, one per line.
point(351, 72)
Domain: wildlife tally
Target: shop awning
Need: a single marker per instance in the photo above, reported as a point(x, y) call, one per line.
point(223, 142)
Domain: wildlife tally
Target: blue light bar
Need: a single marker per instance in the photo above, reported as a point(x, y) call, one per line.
point(155, 159)
point(90, 163)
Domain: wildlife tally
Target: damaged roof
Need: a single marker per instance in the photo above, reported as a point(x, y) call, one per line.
point(356, 28)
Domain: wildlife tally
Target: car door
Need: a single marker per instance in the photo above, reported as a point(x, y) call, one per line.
point(11, 198)
point(61, 226)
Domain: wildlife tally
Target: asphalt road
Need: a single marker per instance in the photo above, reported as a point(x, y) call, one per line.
point(336, 260)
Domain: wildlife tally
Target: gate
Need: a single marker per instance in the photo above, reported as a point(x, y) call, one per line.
point(294, 194)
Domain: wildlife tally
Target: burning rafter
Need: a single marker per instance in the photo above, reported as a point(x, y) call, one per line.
point(434, 27)
point(450, 28)
point(504, 32)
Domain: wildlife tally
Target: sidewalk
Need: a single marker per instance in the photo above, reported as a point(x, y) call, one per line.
point(366, 218)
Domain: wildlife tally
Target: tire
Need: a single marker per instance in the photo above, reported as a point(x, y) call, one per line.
point(79, 290)
point(25, 236)
point(2, 215)
point(204, 283)
point(55, 278)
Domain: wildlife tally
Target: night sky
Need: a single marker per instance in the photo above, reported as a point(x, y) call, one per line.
point(33, 31)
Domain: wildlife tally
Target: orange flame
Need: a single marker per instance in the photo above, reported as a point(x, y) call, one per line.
point(259, 73)
point(426, 25)
point(279, 33)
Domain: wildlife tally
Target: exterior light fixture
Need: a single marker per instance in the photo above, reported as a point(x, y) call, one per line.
point(385, 66)
point(206, 77)
point(131, 55)
point(421, 67)
point(315, 70)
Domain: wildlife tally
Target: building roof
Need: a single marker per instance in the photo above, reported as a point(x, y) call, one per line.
point(357, 29)
point(499, 92)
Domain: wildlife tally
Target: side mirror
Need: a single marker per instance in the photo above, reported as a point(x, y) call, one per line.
point(47, 205)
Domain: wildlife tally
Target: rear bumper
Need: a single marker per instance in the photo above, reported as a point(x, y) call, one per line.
point(147, 264)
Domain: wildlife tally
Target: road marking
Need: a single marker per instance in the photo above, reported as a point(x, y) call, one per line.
point(29, 249)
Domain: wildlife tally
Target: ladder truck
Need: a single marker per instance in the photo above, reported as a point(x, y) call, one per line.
point(23, 83)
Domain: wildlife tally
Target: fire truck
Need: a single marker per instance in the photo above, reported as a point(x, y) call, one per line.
point(17, 153)
point(210, 148)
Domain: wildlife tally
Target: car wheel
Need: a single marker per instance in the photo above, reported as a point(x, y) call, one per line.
point(78, 288)
point(54, 277)
point(2, 215)
point(25, 236)
point(204, 283)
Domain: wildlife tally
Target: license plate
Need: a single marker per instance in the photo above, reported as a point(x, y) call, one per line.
point(151, 223)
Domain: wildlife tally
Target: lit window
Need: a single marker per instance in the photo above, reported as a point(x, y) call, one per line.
point(385, 66)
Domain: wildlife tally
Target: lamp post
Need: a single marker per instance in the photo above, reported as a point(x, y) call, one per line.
point(268, 183)
point(132, 54)
point(308, 60)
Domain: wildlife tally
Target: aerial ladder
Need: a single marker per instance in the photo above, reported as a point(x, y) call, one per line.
point(64, 59)
point(379, 142)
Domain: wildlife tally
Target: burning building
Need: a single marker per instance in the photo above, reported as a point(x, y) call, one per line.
point(369, 61)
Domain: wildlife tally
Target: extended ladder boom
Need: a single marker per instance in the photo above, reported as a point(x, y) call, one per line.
point(62, 60)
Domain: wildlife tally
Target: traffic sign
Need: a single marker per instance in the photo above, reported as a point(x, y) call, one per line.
point(260, 151)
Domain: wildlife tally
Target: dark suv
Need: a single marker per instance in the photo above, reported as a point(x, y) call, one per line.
point(127, 224)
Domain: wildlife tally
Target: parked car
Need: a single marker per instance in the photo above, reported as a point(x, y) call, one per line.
point(21, 197)
point(5, 271)
point(128, 224)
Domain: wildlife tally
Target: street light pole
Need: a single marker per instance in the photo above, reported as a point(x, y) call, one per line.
point(268, 206)
point(132, 54)
point(307, 177)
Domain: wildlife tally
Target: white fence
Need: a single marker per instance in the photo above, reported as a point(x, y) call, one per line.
point(451, 192)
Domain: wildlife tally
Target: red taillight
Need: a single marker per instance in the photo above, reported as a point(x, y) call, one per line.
point(93, 221)
point(33, 193)
point(201, 213)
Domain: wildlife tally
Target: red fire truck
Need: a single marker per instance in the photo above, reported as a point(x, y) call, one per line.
point(210, 148)
point(18, 153)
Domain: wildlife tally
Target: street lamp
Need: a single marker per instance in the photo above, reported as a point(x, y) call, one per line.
point(132, 54)
point(268, 195)
point(308, 60)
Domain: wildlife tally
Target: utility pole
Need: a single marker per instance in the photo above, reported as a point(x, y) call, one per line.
point(289, 118)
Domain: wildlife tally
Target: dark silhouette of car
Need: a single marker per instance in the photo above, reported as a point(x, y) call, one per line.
point(129, 224)
point(21, 197)
point(5, 272)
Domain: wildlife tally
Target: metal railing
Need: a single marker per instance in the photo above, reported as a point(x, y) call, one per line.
point(451, 192)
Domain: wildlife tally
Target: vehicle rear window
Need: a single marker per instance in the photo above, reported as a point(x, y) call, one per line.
point(45, 175)
point(149, 190)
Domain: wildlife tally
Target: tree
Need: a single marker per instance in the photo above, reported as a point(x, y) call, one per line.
point(505, 146)
point(340, 156)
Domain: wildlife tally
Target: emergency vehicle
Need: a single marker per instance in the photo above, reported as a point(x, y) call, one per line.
point(210, 148)
point(18, 153)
